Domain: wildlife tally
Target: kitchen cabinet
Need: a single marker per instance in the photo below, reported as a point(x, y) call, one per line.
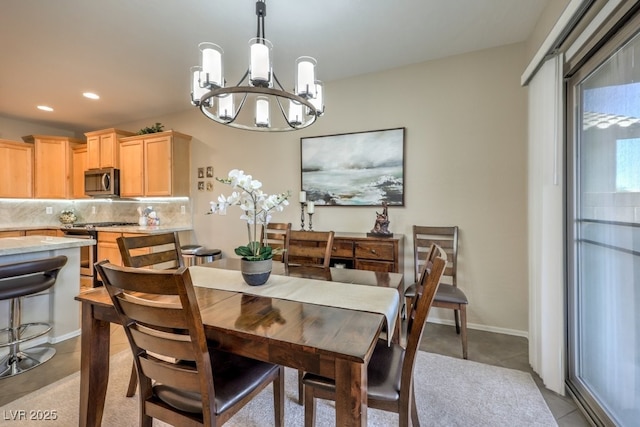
point(13, 233)
point(362, 252)
point(155, 165)
point(16, 169)
point(108, 247)
point(44, 232)
point(103, 148)
point(53, 165)
point(79, 162)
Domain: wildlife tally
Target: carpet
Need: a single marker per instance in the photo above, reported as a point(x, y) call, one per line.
point(449, 392)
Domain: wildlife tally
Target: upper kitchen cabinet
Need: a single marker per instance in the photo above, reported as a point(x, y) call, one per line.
point(79, 162)
point(155, 165)
point(16, 169)
point(53, 165)
point(102, 148)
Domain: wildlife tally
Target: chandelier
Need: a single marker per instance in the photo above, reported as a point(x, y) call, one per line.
point(259, 88)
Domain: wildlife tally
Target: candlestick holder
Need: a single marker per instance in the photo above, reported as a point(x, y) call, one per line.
point(310, 221)
point(302, 205)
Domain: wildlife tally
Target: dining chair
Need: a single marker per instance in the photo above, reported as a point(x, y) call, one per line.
point(150, 250)
point(309, 248)
point(182, 381)
point(308, 251)
point(448, 295)
point(390, 370)
point(276, 235)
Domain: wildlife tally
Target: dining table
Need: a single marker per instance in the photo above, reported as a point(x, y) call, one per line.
point(330, 328)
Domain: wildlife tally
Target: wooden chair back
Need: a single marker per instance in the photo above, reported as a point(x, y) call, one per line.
point(426, 288)
point(276, 235)
point(151, 250)
point(446, 238)
point(160, 314)
point(310, 248)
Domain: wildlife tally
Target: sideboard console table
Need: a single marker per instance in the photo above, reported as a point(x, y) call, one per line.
point(357, 250)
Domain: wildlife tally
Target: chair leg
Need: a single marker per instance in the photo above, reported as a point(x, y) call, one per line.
point(415, 421)
point(300, 387)
point(278, 398)
point(457, 320)
point(133, 382)
point(407, 308)
point(309, 408)
point(463, 335)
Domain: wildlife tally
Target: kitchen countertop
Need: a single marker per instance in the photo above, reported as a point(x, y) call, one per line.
point(29, 244)
point(149, 229)
point(120, 229)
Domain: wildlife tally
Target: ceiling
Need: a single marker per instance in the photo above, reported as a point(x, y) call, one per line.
point(136, 54)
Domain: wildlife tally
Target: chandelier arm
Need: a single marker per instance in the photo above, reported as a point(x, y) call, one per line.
point(246, 73)
point(277, 81)
point(284, 114)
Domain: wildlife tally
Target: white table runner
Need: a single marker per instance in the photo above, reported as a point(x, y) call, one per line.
point(372, 299)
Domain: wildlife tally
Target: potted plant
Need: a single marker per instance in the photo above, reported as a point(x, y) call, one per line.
point(257, 208)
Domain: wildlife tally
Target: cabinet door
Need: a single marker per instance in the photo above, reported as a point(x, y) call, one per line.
point(79, 158)
point(93, 152)
point(108, 248)
point(52, 177)
point(16, 170)
point(108, 151)
point(132, 168)
point(157, 161)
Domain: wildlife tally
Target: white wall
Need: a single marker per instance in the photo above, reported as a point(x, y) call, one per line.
point(14, 130)
point(465, 164)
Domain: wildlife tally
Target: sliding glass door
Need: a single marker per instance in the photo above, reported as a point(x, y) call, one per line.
point(603, 230)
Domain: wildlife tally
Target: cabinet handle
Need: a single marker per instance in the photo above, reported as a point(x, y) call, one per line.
point(334, 248)
point(373, 251)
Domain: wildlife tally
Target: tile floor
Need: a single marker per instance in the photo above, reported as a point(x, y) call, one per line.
point(485, 347)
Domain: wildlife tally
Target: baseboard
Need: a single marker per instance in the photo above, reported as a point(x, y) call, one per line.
point(60, 338)
point(486, 328)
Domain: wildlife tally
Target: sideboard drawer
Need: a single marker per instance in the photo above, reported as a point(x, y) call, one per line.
point(342, 249)
point(375, 250)
point(371, 265)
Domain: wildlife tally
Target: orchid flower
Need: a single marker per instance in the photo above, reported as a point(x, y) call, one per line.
point(256, 207)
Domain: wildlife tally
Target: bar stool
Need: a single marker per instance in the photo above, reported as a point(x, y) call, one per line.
point(189, 254)
point(18, 280)
point(204, 255)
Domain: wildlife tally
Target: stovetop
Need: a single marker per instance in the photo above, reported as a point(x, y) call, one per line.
point(92, 225)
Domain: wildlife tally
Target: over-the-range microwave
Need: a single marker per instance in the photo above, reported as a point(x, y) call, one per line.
point(102, 182)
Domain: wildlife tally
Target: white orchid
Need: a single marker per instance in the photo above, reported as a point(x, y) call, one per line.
point(256, 209)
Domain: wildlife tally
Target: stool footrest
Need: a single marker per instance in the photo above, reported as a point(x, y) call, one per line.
point(30, 335)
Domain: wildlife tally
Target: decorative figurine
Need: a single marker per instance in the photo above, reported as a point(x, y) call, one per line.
point(381, 226)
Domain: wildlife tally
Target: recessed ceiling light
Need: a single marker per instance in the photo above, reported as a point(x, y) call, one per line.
point(90, 95)
point(44, 108)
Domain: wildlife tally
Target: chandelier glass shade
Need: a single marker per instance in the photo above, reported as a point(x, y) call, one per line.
point(258, 101)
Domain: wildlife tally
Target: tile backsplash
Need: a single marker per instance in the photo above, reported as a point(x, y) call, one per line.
point(34, 212)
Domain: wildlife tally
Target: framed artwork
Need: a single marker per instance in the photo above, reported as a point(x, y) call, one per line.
point(200, 185)
point(209, 171)
point(354, 169)
point(209, 185)
point(200, 172)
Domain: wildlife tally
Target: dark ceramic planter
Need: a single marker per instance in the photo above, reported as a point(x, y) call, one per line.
point(256, 273)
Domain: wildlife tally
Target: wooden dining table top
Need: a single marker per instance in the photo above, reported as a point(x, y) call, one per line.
point(329, 341)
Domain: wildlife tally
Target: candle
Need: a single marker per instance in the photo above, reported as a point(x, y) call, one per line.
point(311, 207)
point(303, 197)
point(212, 63)
point(259, 62)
